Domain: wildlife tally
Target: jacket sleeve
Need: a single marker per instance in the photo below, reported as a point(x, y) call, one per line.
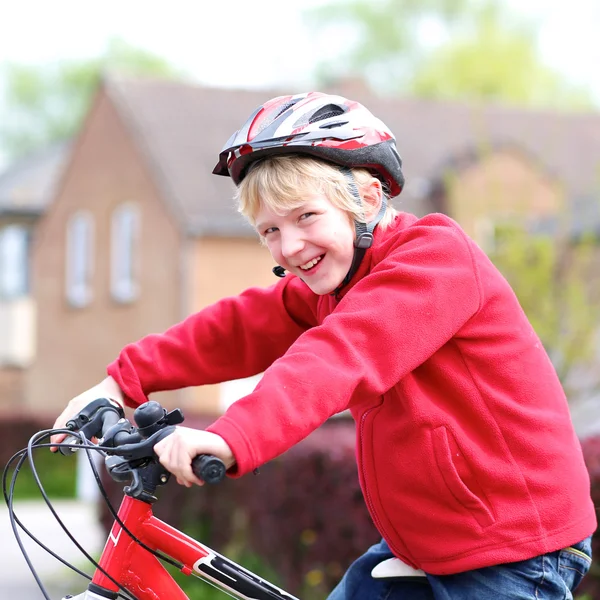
point(233, 338)
point(409, 305)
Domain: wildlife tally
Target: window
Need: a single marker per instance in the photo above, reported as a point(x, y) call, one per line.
point(125, 229)
point(14, 261)
point(79, 259)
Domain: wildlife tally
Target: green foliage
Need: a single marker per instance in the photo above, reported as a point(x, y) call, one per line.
point(301, 521)
point(481, 51)
point(47, 103)
point(495, 60)
point(557, 284)
point(385, 33)
point(303, 514)
point(388, 27)
point(57, 474)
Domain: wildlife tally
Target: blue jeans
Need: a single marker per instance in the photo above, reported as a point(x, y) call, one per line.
point(551, 576)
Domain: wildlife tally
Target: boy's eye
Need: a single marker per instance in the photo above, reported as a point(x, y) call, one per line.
point(269, 230)
point(307, 215)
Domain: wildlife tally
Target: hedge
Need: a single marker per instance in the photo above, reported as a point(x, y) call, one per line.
point(57, 473)
point(303, 514)
point(591, 452)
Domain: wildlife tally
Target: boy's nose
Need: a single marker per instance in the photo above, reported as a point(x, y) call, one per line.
point(291, 244)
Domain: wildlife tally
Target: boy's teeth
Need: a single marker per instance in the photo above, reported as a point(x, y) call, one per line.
point(310, 263)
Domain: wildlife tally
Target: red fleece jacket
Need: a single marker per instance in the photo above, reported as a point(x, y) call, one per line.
point(466, 452)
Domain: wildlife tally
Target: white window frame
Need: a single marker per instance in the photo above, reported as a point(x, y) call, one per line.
point(124, 252)
point(14, 261)
point(79, 258)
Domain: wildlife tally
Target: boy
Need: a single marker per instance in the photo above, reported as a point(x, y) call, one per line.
point(467, 457)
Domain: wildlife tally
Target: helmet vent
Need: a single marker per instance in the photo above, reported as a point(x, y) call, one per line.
point(326, 112)
point(268, 122)
point(284, 108)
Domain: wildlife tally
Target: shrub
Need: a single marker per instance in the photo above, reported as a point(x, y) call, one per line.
point(303, 514)
point(591, 451)
point(57, 473)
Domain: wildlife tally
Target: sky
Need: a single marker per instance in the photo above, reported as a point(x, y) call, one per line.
point(243, 43)
point(248, 43)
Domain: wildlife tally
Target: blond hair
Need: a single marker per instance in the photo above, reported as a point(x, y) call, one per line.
point(282, 182)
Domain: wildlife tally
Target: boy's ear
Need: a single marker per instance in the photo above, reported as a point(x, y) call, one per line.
point(372, 195)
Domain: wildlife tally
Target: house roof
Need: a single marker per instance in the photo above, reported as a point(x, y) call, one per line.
point(182, 128)
point(28, 185)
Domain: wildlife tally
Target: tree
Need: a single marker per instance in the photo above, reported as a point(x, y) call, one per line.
point(495, 61)
point(478, 50)
point(48, 103)
point(556, 280)
point(381, 36)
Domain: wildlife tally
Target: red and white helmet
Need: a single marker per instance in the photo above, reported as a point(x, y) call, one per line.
point(325, 126)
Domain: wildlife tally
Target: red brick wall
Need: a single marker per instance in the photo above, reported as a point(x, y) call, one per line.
point(503, 184)
point(11, 387)
point(74, 345)
point(221, 267)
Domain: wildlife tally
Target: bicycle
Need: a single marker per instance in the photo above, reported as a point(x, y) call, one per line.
point(130, 565)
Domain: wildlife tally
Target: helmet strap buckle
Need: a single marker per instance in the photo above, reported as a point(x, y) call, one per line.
point(364, 240)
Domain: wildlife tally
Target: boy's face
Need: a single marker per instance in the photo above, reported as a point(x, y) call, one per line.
point(314, 241)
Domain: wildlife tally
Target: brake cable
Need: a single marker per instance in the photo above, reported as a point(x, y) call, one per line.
point(125, 450)
point(28, 454)
point(85, 445)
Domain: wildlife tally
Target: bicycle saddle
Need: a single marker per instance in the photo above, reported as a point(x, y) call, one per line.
point(394, 567)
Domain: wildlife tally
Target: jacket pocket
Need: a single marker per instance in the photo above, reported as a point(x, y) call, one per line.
point(455, 484)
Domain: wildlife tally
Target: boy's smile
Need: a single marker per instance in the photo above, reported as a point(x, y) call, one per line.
point(314, 241)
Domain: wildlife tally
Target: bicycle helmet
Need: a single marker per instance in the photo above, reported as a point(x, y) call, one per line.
point(321, 125)
point(328, 127)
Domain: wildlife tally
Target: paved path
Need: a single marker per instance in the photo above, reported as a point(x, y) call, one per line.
point(16, 580)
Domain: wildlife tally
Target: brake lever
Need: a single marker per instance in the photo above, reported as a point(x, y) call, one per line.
point(143, 449)
point(90, 419)
point(120, 434)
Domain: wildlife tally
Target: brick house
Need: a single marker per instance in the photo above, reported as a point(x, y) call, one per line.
point(26, 189)
point(141, 234)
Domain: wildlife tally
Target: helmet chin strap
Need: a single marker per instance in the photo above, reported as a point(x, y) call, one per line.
point(364, 231)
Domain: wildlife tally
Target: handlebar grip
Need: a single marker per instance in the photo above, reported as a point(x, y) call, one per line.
point(209, 469)
point(109, 419)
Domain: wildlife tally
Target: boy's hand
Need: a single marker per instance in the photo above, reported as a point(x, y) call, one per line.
point(107, 388)
point(177, 451)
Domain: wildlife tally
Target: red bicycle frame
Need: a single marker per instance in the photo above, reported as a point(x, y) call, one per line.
point(142, 573)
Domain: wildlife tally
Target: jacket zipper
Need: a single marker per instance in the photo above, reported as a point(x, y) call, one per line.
point(368, 500)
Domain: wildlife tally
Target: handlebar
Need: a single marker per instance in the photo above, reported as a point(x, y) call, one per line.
point(130, 448)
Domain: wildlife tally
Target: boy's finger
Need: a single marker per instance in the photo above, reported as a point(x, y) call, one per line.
point(57, 439)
